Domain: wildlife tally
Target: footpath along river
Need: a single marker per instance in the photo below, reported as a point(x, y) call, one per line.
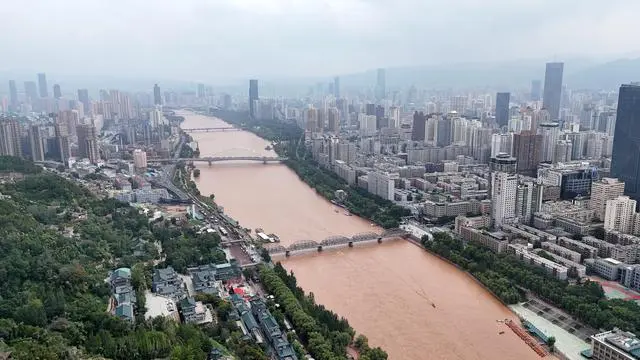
point(386, 290)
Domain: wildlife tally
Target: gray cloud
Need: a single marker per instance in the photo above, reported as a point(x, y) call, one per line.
point(210, 39)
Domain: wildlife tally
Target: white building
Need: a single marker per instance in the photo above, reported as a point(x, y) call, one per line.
point(139, 159)
point(368, 124)
point(394, 117)
point(550, 133)
point(602, 191)
point(619, 214)
point(382, 184)
point(156, 118)
point(501, 143)
point(504, 188)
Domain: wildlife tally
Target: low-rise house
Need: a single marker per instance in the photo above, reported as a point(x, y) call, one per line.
point(119, 277)
point(193, 312)
point(125, 312)
point(166, 282)
point(204, 277)
point(271, 330)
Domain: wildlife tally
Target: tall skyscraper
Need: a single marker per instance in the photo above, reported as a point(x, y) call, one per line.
point(253, 97)
point(157, 95)
point(200, 92)
point(336, 87)
point(57, 93)
point(552, 95)
point(333, 116)
point(10, 138)
point(36, 143)
point(381, 84)
point(504, 187)
point(31, 91)
point(526, 148)
point(13, 95)
point(502, 108)
point(625, 160)
point(418, 127)
point(535, 90)
point(62, 142)
point(550, 134)
point(603, 191)
point(88, 142)
point(42, 85)
point(83, 97)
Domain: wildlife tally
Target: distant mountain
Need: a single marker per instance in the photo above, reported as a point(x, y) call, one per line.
point(609, 75)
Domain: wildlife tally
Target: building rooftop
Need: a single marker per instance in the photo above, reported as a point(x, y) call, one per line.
point(622, 340)
point(612, 261)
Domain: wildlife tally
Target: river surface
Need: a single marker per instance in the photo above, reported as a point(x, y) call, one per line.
point(412, 304)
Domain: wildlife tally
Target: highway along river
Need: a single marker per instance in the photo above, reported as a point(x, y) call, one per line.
point(386, 291)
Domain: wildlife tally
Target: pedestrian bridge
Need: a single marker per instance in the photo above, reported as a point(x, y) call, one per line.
point(212, 159)
point(332, 242)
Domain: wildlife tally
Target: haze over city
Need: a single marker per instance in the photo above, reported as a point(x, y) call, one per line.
point(202, 40)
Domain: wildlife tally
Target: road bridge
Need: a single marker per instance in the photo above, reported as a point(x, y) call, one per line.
point(334, 242)
point(212, 159)
point(211, 129)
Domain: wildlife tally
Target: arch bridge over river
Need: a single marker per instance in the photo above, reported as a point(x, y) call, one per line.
point(334, 242)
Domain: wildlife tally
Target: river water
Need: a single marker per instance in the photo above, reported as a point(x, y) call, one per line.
point(386, 291)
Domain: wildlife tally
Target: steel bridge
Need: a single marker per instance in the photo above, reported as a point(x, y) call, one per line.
point(211, 129)
point(335, 241)
point(212, 159)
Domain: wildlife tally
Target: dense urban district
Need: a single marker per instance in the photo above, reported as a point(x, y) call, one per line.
point(109, 250)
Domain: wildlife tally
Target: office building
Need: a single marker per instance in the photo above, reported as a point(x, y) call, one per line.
point(336, 87)
point(550, 134)
point(535, 90)
point(13, 95)
point(157, 95)
point(31, 91)
point(444, 131)
point(615, 345)
point(57, 93)
point(36, 143)
point(42, 85)
point(502, 109)
point(527, 147)
point(619, 214)
point(88, 143)
point(139, 159)
point(83, 97)
point(381, 84)
point(603, 191)
point(10, 138)
point(552, 95)
point(253, 97)
point(504, 185)
point(418, 126)
point(625, 159)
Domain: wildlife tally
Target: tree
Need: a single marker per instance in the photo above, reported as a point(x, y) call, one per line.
point(551, 342)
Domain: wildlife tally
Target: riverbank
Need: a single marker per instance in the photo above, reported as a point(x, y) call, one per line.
point(288, 137)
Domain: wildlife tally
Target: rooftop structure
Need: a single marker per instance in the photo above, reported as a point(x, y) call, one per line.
point(616, 345)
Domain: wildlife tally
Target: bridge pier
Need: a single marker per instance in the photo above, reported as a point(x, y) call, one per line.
point(287, 254)
point(319, 248)
point(209, 162)
point(350, 244)
point(379, 240)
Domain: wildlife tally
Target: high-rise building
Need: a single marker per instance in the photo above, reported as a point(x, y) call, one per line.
point(603, 191)
point(527, 148)
point(42, 85)
point(625, 158)
point(57, 93)
point(550, 133)
point(31, 91)
point(13, 95)
point(502, 108)
point(552, 95)
point(88, 142)
point(394, 117)
point(139, 159)
point(381, 84)
point(501, 143)
point(336, 87)
point(157, 95)
point(253, 97)
point(418, 126)
point(334, 119)
point(535, 90)
point(529, 200)
point(200, 92)
point(563, 151)
point(444, 132)
point(62, 142)
point(619, 214)
point(504, 187)
point(10, 138)
point(83, 97)
point(36, 143)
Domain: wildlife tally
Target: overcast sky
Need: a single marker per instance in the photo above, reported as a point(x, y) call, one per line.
point(209, 39)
